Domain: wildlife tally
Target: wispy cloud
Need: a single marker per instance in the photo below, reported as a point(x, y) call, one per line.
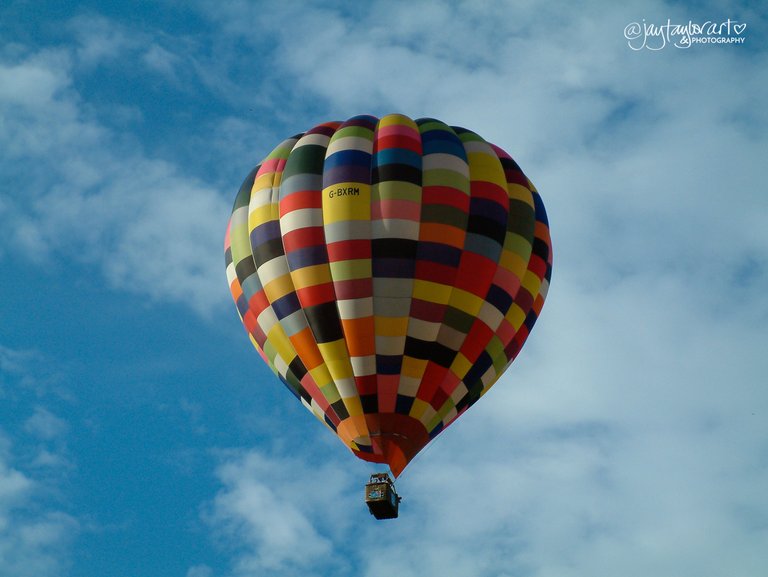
point(96, 198)
point(34, 540)
point(36, 532)
point(272, 513)
point(100, 41)
point(45, 425)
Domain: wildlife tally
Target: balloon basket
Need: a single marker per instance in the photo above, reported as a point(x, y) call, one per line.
point(380, 496)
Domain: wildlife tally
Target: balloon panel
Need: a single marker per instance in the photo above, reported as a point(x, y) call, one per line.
point(388, 271)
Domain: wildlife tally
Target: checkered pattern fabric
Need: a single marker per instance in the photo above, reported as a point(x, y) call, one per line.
point(388, 271)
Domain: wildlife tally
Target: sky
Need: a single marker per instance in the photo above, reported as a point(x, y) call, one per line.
point(142, 436)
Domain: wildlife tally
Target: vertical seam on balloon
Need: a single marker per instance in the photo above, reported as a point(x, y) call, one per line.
point(241, 205)
point(272, 170)
point(388, 161)
point(426, 416)
point(236, 289)
point(238, 230)
point(541, 234)
point(298, 315)
point(294, 271)
point(441, 419)
point(512, 230)
point(360, 420)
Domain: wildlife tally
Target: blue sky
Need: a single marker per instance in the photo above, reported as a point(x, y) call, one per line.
point(140, 434)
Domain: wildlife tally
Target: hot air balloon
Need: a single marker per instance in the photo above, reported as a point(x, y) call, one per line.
point(388, 271)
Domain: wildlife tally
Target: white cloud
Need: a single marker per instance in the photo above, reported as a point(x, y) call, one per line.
point(200, 571)
point(45, 425)
point(35, 84)
point(25, 370)
point(36, 533)
point(34, 540)
point(159, 59)
point(50, 440)
point(150, 228)
point(270, 508)
point(12, 361)
point(101, 41)
point(13, 484)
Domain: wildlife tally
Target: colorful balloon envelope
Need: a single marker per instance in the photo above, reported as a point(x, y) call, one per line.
point(388, 271)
